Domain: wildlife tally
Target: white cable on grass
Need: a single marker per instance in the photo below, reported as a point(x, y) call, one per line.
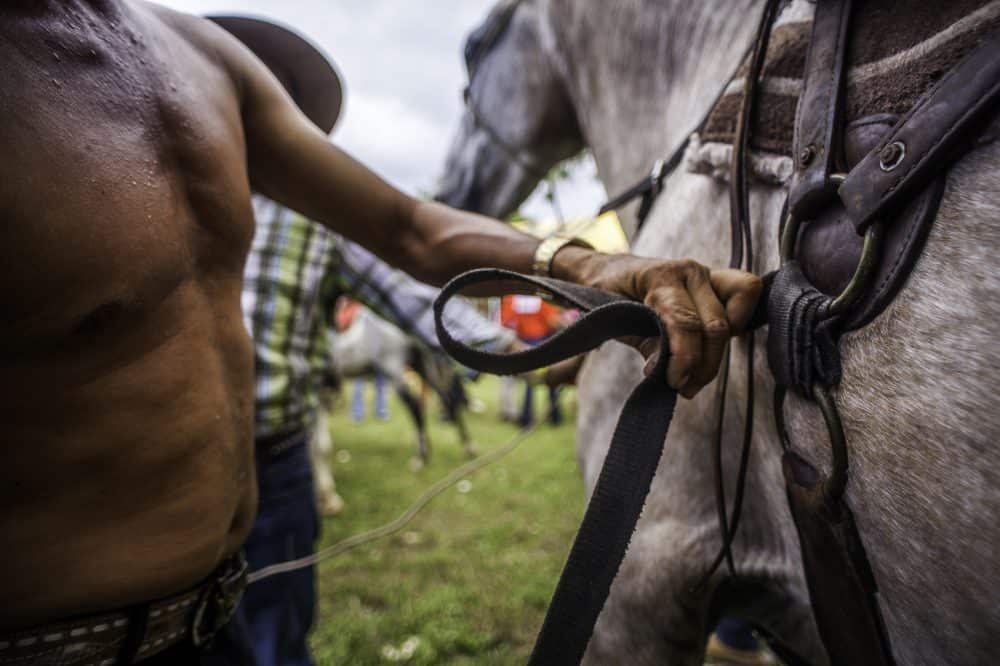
point(391, 528)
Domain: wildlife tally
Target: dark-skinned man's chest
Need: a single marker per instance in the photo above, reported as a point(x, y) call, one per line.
point(122, 180)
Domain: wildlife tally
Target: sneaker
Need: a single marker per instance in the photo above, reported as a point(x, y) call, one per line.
point(718, 653)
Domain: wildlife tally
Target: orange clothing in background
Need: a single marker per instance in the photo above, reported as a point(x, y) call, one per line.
point(532, 317)
point(345, 312)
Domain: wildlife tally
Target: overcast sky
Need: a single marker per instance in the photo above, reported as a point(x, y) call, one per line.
point(402, 68)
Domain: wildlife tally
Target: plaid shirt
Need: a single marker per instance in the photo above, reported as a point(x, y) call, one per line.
point(294, 272)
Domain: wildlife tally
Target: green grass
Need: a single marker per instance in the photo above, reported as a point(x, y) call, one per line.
point(467, 582)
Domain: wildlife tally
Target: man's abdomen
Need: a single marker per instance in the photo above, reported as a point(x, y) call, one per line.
point(132, 485)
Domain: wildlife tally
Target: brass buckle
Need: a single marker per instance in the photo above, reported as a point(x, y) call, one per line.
point(866, 264)
point(219, 600)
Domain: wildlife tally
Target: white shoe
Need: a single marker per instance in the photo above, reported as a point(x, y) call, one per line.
point(333, 505)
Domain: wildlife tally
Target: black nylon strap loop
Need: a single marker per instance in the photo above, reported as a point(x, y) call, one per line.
point(632, 458)
point(802, 344)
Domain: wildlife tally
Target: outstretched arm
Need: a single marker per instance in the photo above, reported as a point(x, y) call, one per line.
point(401, 300)
point(292, 162)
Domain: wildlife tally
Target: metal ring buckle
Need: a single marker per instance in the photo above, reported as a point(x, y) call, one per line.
point(866, 264)
point(835, 484)
point(219, 601)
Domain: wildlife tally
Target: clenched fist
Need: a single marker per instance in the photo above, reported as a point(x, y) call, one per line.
point(700, 308)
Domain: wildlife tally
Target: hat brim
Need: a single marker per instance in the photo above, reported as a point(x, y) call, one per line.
point(309, 76)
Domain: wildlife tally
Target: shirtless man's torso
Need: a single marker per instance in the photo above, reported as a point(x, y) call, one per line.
point(126, 386)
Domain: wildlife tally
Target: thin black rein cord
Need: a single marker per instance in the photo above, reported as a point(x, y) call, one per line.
point(741, 254)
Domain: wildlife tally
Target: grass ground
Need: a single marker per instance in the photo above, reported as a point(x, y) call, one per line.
point(467, 582)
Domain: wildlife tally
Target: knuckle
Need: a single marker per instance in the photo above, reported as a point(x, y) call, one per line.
point(674, 311)
point(690, 268)
point(717, 329)
point(752, 284)
point(666, 275)
point(686, 264)
point(661, 299)
point(685, 319)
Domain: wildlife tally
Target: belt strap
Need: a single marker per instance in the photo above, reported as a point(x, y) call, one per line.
point(270, 447)
point(120, 637)
point(632, 458)
point(818, 117)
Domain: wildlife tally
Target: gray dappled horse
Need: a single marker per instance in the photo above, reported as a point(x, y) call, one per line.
point(371, 344)
point(630, 79)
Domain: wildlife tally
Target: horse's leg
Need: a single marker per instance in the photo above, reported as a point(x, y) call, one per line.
point(416, 411)
point(508, 411)
point(453, 400)
point(455, 416)
point(320, 448)
point(381, 404)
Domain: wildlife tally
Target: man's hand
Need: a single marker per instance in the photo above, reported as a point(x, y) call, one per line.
point(701, 309)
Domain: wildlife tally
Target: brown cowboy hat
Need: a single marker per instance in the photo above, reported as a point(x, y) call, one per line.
point(304, 70)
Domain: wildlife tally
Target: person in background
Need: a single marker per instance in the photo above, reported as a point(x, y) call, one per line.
point(294, 274)
point(534, 320)
point(346, 310)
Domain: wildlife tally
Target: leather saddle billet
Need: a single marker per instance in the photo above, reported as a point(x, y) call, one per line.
point(877, 183)
point(837, 569)
point(803, 350)
point(829, 246)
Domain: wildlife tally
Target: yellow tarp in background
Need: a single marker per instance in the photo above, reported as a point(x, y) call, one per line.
point(603, 232)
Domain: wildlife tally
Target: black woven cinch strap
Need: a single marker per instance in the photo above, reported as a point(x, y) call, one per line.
point(632, 458)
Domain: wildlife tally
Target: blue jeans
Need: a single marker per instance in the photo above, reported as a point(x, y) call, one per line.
point(528, 407)
point(381, 403)
point(736, 634)
point(279, 611)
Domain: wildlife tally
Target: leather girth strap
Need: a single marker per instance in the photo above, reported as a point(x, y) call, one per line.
point(632, 459)
point(841, 588)
point(841, 585)
point(896, 185)
point(820, 111)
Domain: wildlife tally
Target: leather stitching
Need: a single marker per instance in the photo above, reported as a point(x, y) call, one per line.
point(913, 229)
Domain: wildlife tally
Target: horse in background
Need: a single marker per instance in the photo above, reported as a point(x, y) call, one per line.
point(629, 80)
point(328, 500)
point(371, 344)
